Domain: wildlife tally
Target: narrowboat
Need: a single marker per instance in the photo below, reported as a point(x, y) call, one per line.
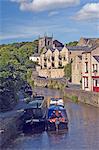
point(57, 117)
point(35, 115)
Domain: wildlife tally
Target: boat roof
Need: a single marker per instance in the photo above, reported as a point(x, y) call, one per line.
point(56, 99)
point(56, 108)
point(33, 104)
point(38, 97)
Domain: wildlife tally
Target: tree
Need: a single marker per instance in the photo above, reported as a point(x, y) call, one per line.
point(72, 43)
point(14, 66)
point(68, 71)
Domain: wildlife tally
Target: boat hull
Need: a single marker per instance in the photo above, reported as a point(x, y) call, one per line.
point(34, 127)
point(51, 126)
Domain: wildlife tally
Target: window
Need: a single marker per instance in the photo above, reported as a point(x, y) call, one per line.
point(60, 57)
point(49, 59)
point(96, 83)
point(95, 68)
point(86, 57)
point(48, 42)
point(86, 82)
point(64, 58)
point(52, 58)
point(86, 67)
point(60, 64)
point(53, 65)
point(45, 65)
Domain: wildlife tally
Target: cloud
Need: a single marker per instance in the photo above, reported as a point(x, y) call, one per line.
point(42, 5)
point(53, 13)
point(30, 31)
point(89, 11)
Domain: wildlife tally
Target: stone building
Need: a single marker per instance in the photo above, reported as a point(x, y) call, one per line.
point(52, 56)
point(45, 42)
point(57, 58)
point(88, 41)
point(90, 69)
point(77, 69)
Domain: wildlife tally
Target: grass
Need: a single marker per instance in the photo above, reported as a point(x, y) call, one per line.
point(74, 99)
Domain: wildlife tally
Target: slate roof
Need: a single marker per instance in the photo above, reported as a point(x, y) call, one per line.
point(53, 49)
point(91, 48)
point(59, 48)
point(77, 48)
point(96, 57)
point(36, 55)
point(57, 43)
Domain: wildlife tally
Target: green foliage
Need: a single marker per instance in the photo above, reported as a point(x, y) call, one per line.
point(74, 99)
point(72, 43)
point(41, 51)
point(15, 66)
point(68, 71)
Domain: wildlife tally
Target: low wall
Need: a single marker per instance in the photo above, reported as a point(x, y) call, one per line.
point(53, 73)
point(50, 83)
point(10, 126)
point(87, 97)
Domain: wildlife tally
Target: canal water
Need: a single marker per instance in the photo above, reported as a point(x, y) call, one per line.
point(83, 132)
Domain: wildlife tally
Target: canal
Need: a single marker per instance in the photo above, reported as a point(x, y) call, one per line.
point(83, 133)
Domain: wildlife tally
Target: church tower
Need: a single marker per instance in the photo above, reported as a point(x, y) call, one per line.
point(45, 42)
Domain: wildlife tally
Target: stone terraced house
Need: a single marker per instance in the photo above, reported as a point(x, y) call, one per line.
point(52, 56)
point(90, 69)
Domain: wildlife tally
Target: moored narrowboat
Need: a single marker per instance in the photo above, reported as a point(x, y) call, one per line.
point(35, 115)
point(57, 117)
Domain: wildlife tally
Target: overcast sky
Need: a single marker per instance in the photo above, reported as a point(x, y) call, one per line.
point(67, 20)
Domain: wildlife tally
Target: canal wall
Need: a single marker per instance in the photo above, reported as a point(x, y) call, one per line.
point(86, 97)
point(75, 95)
point(10, 126)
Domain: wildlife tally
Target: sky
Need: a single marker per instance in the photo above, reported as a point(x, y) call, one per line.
point(66, 20)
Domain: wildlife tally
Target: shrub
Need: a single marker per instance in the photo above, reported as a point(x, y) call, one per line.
point(74, 99)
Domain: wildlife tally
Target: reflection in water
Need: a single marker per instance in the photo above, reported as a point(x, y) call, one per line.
point(83, 133)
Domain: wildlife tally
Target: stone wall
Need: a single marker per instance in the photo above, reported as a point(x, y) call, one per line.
point(51, 73)
point(50, 83)
point(87, 97)
point(10, 126)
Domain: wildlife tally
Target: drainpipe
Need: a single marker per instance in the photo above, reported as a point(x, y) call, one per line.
point(91, 72)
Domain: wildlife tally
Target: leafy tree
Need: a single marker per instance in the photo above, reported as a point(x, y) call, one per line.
point(68, 71)
point(15, 69)
point(72, 43)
